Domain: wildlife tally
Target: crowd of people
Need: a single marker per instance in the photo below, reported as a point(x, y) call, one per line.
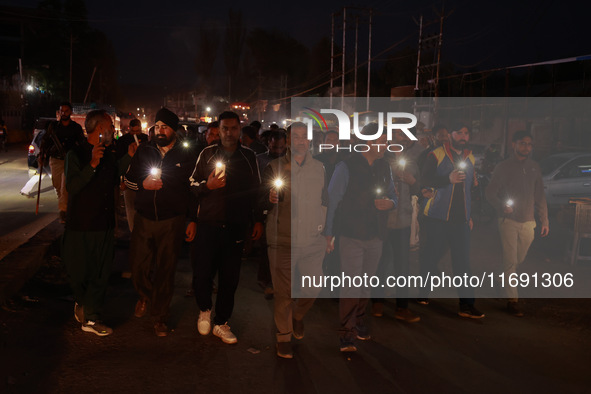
point(337, 211)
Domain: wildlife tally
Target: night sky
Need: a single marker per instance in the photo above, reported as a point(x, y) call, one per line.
point(156, 42)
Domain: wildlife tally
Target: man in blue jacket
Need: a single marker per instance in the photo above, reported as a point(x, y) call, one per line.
point(449, 171)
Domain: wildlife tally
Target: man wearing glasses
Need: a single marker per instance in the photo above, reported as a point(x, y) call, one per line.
point(516, 190)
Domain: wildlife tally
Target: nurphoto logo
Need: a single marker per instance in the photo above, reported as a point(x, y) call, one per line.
point(346, 128)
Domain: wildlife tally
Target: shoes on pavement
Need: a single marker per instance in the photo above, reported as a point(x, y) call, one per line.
point(78, 312)
point(423, 301)
point(223, 332)
point(377, 309)
point(470, 311)
point(406, 315)
point(347, 345)
point(97, 328)
point(141, 307)
point(160, 329)
point(513, 309)
point(298, 328)
point(362, 333)
point(204, 322)
point(284, 350)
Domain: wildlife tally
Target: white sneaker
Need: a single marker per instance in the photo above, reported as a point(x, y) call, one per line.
point(223, 332)
point(204, 322)
point(97, 328)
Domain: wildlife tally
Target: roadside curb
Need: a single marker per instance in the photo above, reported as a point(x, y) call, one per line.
point(22, 263)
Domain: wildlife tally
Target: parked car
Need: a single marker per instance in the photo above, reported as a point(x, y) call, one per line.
point(35, 146)
point(566, 176)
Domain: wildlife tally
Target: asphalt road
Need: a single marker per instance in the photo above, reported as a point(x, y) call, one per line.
point(43, 349)
point(18, 222)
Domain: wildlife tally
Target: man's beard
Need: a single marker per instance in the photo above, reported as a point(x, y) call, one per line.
point(457, 145)
point(65, 118)
point(162, 140)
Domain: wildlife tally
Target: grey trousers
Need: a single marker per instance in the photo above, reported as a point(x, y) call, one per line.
point(305, 261)
point(357, 258)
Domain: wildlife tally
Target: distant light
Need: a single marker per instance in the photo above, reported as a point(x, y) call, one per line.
point(208, 109)
point(284, 122)
point(138, 109)
point(29, 88)
point(186, 144)
point(144, 125)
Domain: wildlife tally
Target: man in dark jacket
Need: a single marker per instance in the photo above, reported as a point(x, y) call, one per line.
point(360, 193)
point(61, 136)
point(159, 172)
point(226, 182)
point(92, 175)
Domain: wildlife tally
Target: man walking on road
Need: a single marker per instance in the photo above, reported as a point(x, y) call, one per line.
point(159, 173)
point(226, 181)
point(295, 188)
point(361, 192)
point(516, 190)
point(449, 171)
point(91, 177)
point(61, 136)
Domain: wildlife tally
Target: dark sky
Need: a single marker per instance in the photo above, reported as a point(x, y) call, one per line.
point(156, 41)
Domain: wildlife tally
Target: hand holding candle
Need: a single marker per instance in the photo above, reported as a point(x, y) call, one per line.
point(508, 206)
point(220, 169)
point(278, 185)
point(153, 181)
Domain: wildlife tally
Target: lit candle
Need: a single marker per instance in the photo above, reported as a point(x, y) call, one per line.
point(220, 169)
point(402, 163)
point(462, 165)
point(156, 173)
point(509, 203)
point(278, 183)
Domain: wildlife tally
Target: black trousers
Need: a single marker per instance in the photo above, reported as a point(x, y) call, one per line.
point(153, 254)
point(396, 250)
point(218, 250)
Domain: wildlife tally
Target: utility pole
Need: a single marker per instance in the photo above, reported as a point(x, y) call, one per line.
point(369, 61)
point(419, 55)
point(331, 59)
point(427, 76)
point(70, 95)
point(356, 47)
point(360, 13)
point(343, 66)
